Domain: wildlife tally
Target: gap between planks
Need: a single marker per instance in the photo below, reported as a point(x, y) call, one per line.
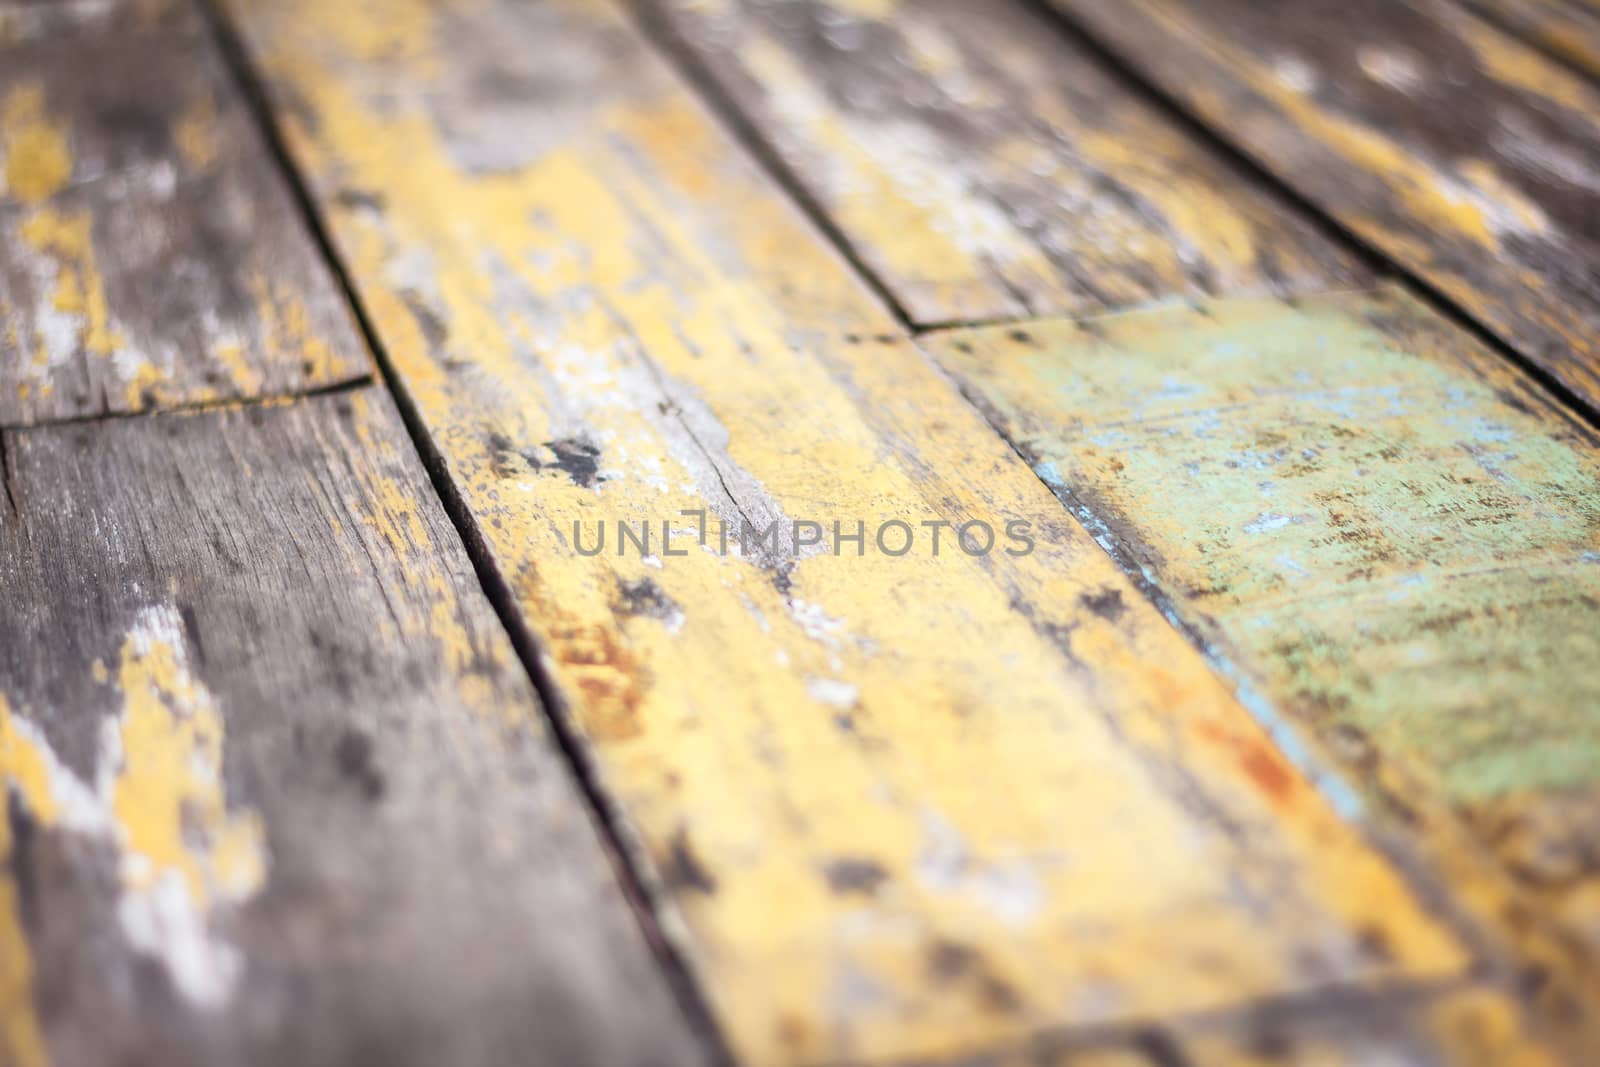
point(196, 407)
point(641, 896)
point(727, 114)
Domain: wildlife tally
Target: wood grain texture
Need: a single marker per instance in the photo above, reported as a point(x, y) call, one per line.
point(149, 253)
point(1393, 534)
point(1567, 29)
point(902, 805)
point(277, 788)
point(1464, 155)
point(983, 165)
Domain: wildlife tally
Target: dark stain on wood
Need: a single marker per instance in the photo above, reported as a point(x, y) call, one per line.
point(683, 870)
point(855, 875)
point(578, 458)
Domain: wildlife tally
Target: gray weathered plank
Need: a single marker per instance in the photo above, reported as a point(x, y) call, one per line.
point(150, 254)
point(278, 790)
point(1464, 155)
point(984, 165)
point(22, 20)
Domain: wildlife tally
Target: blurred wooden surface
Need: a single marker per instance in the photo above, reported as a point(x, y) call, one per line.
point(150, 255)
point(1464, 155)
point(331, 336)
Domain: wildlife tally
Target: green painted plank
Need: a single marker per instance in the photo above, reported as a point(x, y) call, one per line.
point(1390, 530)
point(1388, 537)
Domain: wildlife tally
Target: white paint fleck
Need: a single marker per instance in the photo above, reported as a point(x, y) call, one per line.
point(833, 692)
point(1397, 68)
point(163, 921)
point(1294, 74)
point(1008, 888)
point(1269, 521)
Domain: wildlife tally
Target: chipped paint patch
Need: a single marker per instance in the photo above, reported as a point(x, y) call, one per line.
point(36, 152)
point(140, 216)
point(158, 798)
point(183, 850)
point(25, 778)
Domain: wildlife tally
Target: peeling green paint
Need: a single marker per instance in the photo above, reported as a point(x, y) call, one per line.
point(1384, 525)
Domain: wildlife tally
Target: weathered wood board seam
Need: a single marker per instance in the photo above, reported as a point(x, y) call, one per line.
point(648, 899)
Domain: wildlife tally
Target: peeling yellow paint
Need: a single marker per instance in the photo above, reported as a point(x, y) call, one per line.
point(24, 778)
point(167, 798)
point(1029, 202)
point(195, 134)
point(389, 509)
point(38, 157)
point(1479, 1027)
point(1205, 215)
point(102, 239)
point(1569, 30)
point(288, 331)
point(898, 192)
point(245, 373)
point(67, 236)
point(1512, 63)
point(378, 29)
point(1473, 208)
point(157, 799)
point(767, 731)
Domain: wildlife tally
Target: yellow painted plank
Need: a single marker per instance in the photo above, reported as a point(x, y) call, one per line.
point(1389, 531)
point(150, 255)
point(1569, 29)
point(1464, 155)
point(902, 805)
point(984, 165)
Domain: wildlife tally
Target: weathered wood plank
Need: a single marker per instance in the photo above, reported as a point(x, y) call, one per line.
point(1390, 531)
point(984, 166)
point(904, 805)
point(277, 788)
point(1464, 155)
point(149, 253)
point(1569, 29)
